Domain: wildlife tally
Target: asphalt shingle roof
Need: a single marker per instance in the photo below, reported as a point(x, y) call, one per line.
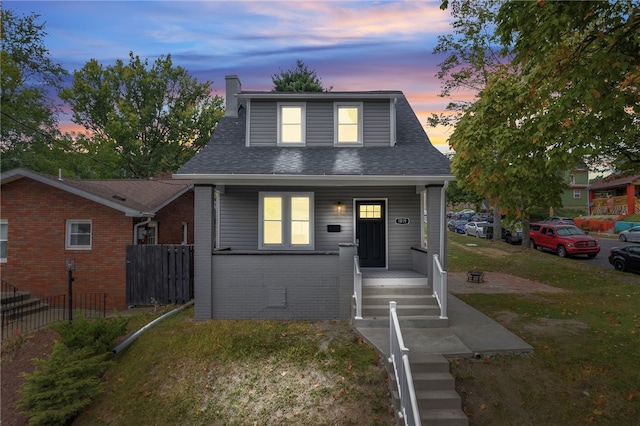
point(132, 196)
point(413, 155)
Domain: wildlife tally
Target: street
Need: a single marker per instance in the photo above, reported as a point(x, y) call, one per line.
point(602, 259)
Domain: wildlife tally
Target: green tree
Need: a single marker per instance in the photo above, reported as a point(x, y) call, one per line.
point(298, 79)
point(155, 118)
point(28, 134)
point(497, 157)
point(581, 67)
point(472, 52)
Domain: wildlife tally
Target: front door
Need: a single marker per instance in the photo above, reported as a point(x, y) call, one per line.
point(370, 233)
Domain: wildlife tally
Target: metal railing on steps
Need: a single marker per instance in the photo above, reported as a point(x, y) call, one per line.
point(399, 358)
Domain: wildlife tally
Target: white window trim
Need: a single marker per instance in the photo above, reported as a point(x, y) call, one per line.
point(303, 130)
point(5, 222)
point(336, 107)
point(577, 194)
point(286, 221)
point(68, 245)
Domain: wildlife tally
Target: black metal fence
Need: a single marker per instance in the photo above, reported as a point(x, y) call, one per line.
point(22, 313)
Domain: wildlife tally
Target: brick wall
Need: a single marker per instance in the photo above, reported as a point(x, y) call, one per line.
point(171, 217)
point(37, 215)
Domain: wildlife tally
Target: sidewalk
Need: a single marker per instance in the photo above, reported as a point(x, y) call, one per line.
point(470, 333)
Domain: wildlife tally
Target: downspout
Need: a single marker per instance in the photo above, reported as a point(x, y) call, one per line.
point(129, 340)
point(135, 229)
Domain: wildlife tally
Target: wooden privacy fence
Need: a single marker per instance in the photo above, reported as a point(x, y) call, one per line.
point(159, 274)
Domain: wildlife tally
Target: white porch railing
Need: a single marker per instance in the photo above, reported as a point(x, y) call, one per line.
point(440, 286)
point(357, 286)
point(399, 357)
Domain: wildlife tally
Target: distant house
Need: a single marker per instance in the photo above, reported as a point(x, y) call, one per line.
point(292, 186)
point(615, 195)
point(575, 196)
point(45, 220)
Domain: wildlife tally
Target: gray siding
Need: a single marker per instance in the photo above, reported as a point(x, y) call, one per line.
point(263, 128)
point(377, 124)
point(319, 124)
point(239, 218)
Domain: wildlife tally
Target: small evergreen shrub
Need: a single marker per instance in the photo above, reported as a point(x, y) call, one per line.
point(98, 334)
point(62, 385)
point(70, 378)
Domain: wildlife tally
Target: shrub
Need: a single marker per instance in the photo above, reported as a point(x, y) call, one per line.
point(97, 334)
point(63, 385)
point(67, 381)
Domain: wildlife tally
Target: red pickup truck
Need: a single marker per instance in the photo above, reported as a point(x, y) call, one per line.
point(566, 240)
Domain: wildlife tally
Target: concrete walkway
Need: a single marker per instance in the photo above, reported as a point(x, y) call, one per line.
point(470, 333)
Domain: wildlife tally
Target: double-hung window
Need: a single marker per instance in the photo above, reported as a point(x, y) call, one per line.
point(4, 240)
point(348, 123)
point(286, 221)
point(78, 234)
point(291, 123)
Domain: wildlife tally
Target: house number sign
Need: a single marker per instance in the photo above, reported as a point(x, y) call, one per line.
point(402, 220)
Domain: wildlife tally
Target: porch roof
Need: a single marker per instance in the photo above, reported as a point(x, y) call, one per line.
point(613, 183)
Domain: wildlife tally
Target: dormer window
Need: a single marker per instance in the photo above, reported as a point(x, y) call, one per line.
point(348, 123)
point(291, 123)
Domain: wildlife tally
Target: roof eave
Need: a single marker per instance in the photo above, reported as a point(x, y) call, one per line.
point(318, 95)
point(308, 180)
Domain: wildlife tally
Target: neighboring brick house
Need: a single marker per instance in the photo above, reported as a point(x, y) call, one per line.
point(292, 186)
point(45, 220)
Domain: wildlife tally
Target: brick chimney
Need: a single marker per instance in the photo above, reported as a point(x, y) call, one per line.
point(233, 87)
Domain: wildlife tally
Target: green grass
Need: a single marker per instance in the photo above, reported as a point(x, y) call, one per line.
point(586, 367)
point(183, 371)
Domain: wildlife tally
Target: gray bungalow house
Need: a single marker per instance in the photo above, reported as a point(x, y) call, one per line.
point(296, 191)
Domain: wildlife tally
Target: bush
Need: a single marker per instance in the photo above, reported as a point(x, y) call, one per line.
point(97, 334)
point(63, 385)
point(69, 379)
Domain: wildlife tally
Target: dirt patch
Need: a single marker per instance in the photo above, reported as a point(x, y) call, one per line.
point(17, 354)
point(496, 282)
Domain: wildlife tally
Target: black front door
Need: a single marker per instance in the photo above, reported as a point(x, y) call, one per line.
point(370, 233)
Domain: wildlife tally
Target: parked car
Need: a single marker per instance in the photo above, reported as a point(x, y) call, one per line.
point(456, 226)
point(560, 220)
point(482, 217)
point(565, 240)
point(631, 234)
point(625, 258)
point(477, 229)
point(513, 234)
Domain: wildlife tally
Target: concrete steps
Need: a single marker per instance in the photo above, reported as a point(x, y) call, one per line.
point(19, 304)
point(415, 305)
point(438, 402)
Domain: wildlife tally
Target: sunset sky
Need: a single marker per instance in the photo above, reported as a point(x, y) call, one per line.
point(359, 45)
